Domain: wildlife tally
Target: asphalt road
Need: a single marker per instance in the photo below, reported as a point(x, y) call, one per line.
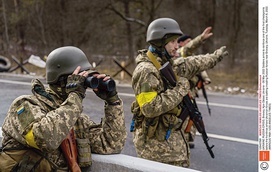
point(232, 126)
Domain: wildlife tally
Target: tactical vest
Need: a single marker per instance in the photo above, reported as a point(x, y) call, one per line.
point(31, 159)
point(159, 127)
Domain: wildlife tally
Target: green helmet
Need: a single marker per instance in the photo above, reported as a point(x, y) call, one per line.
point(162, 27)
point(63, 61)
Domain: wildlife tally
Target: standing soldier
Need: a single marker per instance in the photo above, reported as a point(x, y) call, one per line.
point(187, 47)
point(156, 109)
point(39, 130)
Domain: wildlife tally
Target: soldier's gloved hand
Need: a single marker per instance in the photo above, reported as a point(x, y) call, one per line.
point(110, 96)
point(75, 83)
point(221, 53)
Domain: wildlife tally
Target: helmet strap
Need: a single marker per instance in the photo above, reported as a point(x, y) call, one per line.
point(166, 54)
point(164, 51)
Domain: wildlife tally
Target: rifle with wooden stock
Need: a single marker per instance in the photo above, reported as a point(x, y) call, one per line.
point(200, 85)
point(69, 149)
point(189, 108)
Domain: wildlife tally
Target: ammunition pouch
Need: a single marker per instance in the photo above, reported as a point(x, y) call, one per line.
point(84, 152)
point(171, 120)
point(149, 127)
point(138, 119)
point(158, 126)
point(82, 144)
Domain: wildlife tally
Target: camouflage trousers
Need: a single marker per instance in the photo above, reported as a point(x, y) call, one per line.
point(174, 151)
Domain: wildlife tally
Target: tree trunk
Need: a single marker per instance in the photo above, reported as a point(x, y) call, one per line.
point(128, 32)
point(6, 48)
point(20, 33)
point(236, 30)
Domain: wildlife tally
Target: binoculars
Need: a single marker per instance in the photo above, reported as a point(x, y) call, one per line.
point(94, 82)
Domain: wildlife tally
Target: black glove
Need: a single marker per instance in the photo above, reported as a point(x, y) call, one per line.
point(109, 96)
point(75, 83)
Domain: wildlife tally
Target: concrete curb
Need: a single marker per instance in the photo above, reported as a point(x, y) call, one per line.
point(125, 163)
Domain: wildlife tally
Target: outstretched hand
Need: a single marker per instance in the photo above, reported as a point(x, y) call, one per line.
point(221, 53)
point(207, 33)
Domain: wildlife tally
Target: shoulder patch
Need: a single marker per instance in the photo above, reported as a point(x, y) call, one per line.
point(25, 116)
point(145, 87)
point(20, 109)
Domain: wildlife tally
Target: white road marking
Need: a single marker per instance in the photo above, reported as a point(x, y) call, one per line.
point(15, 82)
point(234, 139)
point(199, 102)
point(229, 106)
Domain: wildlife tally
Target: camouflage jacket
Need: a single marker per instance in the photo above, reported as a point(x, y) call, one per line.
point(190, 47)
point(47, 119)
point(160, 109)
point(189, 50)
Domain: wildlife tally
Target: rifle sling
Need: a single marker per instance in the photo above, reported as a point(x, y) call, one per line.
point(153, 60)
point(185, 112)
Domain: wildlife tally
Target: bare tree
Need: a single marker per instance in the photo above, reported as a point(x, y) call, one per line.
point(128, 20)
point(236, 23)
point(5, 25)
point(118, 27)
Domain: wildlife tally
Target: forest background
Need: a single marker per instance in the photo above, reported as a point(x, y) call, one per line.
point(116, 29)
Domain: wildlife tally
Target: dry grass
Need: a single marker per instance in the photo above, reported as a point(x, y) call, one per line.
point(234, 83)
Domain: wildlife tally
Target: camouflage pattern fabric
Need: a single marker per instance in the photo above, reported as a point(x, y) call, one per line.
point(185, 51)
point(51, 120)
point(175, 150)
point(188, 50)
point(190, 47)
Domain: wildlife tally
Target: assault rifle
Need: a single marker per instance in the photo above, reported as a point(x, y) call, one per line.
point(69, 149)
point(200, 85)
point(189, 107)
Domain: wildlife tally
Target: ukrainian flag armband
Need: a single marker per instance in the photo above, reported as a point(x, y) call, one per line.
point(145, 97)
point(29, 137)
